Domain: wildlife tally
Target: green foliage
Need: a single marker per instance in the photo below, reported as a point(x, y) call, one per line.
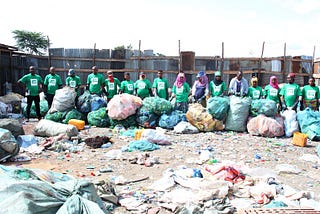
point(122, 47)
point(32, 42)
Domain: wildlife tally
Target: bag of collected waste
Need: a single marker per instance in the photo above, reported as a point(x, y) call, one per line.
point(84, 105)
point(146, 118)
point(48, 128)
point(63, 100)
point(73, 114)
point(169, 121)
point(263, 106)
point(13, 125)
point(97, 102)
point(266, 126)
point(13, 101)
point(55, 116)
point(290, 122)
point(9, 147)
point(218, 107)
point(309, 123)
point(127, 123)
point(238, 114)
point(99, 118)
point(157, 105)
point(25, 141)
point(3, 110)
point(122, 106)
point(198, 116)
point(33, 114)
point(155, 136)
point(185, 128)
point(36, 194)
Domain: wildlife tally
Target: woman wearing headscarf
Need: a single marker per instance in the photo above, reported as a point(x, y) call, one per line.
point(255, 91)
point(181, 91)
point(271, 91)
point(217, 87)
point(200, 88)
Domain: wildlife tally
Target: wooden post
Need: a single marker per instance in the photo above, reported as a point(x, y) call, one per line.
point(49, 55)
point(94, 55)
point(284, 63)
point(313, 54)
point(222, 58)
point(179, 62)
point(260, 65)
point(139, 59)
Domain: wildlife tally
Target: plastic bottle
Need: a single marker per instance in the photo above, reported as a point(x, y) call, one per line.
point(197, 173)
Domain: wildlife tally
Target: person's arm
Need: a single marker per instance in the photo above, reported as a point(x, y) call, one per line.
point(231, 87)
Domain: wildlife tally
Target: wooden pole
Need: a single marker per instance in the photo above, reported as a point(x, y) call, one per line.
point(49, 55)
point(94, 55)
point(260, 64)
point(284, 63)
point(313, 54)
point(139, 59)
point(222, 58)
point(179, 63)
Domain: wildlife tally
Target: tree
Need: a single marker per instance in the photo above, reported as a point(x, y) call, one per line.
point(32, 42)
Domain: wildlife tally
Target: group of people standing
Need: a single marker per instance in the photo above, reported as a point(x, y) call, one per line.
point(287, 97)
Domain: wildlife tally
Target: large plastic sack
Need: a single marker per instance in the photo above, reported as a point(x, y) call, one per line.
point(99, 118)
point(218, 107)
point(84, 105)
point(3, 110)
point(155, 136)
point(48, 128)
point(290, 122)
point(157, 105)
point(266, 126)
point(185, 128)
point(122, 106)
point(97, 102)
point(13, 101)
point(127, 123)
point(309, 122)
point(13, 125)
point(146, 118)
point(73, 114)
point(63, 100)
point(33, 114)
point(263, 106)
point(55, 116)
point(9, 147)
point(169, 121)
point(238, 114)
point(200, 118)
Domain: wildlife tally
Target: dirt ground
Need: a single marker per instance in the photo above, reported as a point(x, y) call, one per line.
point(241, 148)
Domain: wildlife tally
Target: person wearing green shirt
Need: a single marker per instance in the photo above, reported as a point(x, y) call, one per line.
point(160, 86)
point(254, 91)
point(95, 81)
point(32, 84)
point(143, 86)
point(271, 91)
point(181, 91)
point(127, 85)
point(217, 87)
point(74, 81)
point(310, 96)
point(51, 83)
point(111, 85)
point(290, 93)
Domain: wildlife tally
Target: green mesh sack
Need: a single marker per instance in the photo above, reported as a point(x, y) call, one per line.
point(146, 116)
point(99, 118)
point(127, 123)
point(73, 114)
point(218, 107)
point(43, 109)
point(157, 105)
point(56, 116)
point(263, 106)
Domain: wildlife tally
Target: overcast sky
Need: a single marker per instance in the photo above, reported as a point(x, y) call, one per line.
point(200, 25)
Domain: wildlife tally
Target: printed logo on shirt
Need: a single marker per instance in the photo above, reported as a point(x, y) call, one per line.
point(180, 90)
point(273, 92)
point(130, 87)
point(34, 82)
point(160, 85)
point(311, 94)
point(94, 81)
point(141, 85)
point(72, 84)
point(256, 94)
point(52, 82)
point(290, 91)
point(217, 88)
point(111, 85)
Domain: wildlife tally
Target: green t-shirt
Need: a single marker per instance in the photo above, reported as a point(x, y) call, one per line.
point(95, 82)
point(32, 83)
point(255, 93)
point(143, 88)
point(217, 90)
point(290, 92)
point(127, 86)
point(181, 93)
point(161, 86)
point(52, 82)
point(271, 93)
point(74, 82)
point(112, 87)
point(310, 92)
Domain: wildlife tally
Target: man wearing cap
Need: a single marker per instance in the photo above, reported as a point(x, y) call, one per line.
point(51, 83)
point(160, 86)
point(74, 81)
point(290, 93)
point(33, 83)
point(217, 87)
point(200, 88)
point(238, 85)
point(127, 85)
point(95, 81)
point(111, 85)
point(143, 86)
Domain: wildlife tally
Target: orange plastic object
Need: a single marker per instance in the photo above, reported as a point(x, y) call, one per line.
point(79, 124)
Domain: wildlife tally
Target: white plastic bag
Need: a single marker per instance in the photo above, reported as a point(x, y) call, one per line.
point(290, 122)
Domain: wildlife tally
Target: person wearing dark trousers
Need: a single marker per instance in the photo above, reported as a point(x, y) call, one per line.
point(32, 84)
point(52, 82)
